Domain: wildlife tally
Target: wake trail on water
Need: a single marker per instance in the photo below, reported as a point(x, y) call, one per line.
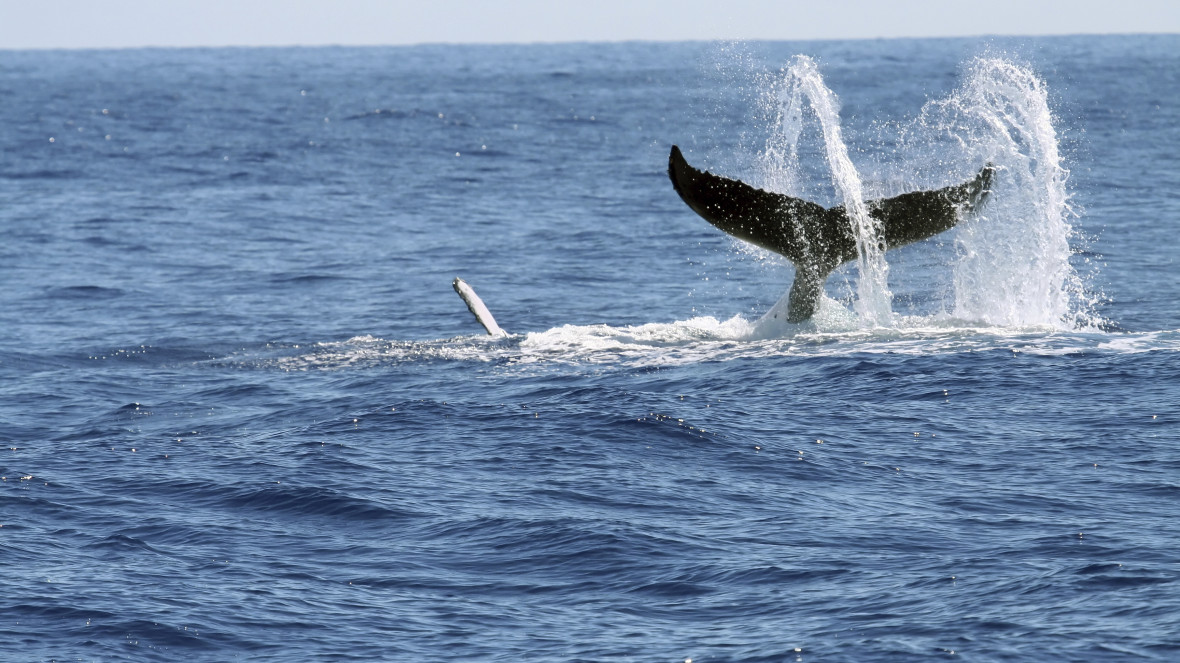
point(706, 339)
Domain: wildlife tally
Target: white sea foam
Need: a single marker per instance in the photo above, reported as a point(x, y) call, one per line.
point(706, 339)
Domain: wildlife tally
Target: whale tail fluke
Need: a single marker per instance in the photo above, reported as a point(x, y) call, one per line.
point(815, 239)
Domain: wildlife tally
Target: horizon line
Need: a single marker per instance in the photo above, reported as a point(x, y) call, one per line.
point(329, 44)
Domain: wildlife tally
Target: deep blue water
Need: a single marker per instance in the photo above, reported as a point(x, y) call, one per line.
point(245, 417)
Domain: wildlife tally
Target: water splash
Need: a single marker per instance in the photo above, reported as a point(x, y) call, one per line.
point(1012, 264)
point(803, 82)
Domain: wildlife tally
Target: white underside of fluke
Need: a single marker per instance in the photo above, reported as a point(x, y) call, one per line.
point(477, 307)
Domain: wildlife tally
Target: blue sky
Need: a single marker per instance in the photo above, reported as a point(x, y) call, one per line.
point(131, 23)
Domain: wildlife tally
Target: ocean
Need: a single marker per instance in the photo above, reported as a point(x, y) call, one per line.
point(245, 417)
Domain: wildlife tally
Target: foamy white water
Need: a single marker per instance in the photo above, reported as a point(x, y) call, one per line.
point(707, 339)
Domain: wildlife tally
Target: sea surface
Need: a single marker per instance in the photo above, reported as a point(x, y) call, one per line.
point(245, 417)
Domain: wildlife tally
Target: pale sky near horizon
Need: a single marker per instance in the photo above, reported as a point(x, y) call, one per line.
point(26, 24)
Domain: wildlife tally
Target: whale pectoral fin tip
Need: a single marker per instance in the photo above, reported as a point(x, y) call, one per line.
point(474, 304)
